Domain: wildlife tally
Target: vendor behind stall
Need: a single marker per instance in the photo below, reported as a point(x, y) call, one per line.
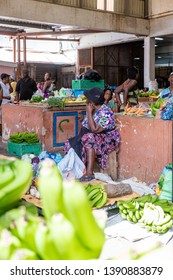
point(98, 136)
point(25, 87)
point(167, 93)
point(127, 88)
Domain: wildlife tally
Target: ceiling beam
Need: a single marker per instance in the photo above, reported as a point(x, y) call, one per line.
point(66, 32)
point(52, 39)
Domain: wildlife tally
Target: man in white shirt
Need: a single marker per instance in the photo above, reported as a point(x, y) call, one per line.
point(5, 90)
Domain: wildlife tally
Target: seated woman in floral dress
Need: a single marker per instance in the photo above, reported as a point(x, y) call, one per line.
point(98, 136)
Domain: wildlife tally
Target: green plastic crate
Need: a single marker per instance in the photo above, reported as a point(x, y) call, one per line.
point(87, 84)
point(24, 148)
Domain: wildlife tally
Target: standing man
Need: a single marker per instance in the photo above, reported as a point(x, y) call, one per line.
point(25, 87)
point(5, 96)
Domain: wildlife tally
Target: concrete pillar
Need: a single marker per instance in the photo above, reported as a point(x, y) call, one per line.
point(149, 60)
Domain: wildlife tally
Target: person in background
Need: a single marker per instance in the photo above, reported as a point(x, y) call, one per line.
point(167, 93)
point(6, 88)
point(108, 100)
point(47, 86)
point(107, 95)
point(5, 96)
point(25, 87)
point(13, 84)
point(98, 136)
point(128, 89)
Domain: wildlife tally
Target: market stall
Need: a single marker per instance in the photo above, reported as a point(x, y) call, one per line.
point(53, 125)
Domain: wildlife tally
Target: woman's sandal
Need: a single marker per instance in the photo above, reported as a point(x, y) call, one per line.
point(86, 178)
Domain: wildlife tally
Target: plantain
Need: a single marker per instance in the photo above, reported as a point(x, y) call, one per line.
point(50, 187)
point(95, 200)
point(45, 246)
point(102, 200)
point(6, 175)
point(8, 244)
point(24, 254)
point(92, 193)
point(24, 228)
point(79, 213)
point(66, 241)
point(12, 192)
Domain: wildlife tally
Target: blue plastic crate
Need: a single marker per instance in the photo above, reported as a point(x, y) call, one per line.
point(77, 92)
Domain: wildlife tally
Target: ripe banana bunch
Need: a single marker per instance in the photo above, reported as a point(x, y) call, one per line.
point(155, 219)
point(15, 180)
point(97, 195)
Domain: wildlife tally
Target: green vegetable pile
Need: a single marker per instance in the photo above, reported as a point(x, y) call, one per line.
point(55, 101)
point(150, 212)
point(69, 229)
point(156, 106)
point(36, 98)
point(20, 137)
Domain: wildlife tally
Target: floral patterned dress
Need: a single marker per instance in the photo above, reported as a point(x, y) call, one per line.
point(103, 143)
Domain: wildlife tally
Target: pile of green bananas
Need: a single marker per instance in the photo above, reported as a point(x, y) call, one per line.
point(97, 195)
point(130, 211)
point(133, 211)
point(25, 136)
point(15, 180)
point(68, 231)
point(154, 219)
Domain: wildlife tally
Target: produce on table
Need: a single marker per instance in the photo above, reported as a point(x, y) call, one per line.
point(36, 98)
point(156, 106)
point(137, 111)
point(149, 93)
point(15, 180)
point(68, 231)
point(56, 101)
point(153, 214)
point(25, 136)
point(97, 195)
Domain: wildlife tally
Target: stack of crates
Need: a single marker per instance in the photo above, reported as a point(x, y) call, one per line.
point(79, 86)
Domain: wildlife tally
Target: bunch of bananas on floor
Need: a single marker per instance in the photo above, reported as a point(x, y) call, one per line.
point(15, 180)
point(68, 229)
point(149, 211)
point(97, 195)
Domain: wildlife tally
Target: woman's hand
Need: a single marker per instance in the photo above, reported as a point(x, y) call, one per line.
point(89, 108)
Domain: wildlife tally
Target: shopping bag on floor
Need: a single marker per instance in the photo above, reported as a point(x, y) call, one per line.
point(71, 166)
point(164, 186)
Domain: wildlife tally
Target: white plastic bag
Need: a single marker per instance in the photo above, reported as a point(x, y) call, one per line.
point(71, 166)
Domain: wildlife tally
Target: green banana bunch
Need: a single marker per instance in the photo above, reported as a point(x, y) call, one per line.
point(16, 137)
point(45, 246)
point(50, 184)
point(66, 240)
point(8, 244)
point(25, 136)
point(24, 254)
point(130, 210)
point(97, 195)
point(24, 228)
point(79, 213)
point(12, 189)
